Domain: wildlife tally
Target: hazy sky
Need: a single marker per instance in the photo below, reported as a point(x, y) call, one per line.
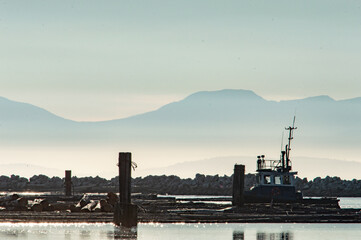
point(96, 60)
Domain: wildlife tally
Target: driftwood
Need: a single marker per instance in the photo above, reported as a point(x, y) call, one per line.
point(74, 208)
point(20, 202)
point(37, 207)
point(90, 206)
point(8, 198)
point(16, 205)
point(84, 200)
point(41, 204)
point(81, 204)
point(44, 203)
point(98, 207)
point(112, 198)
point(60, 206)
point(13, 202)
point(105, 206)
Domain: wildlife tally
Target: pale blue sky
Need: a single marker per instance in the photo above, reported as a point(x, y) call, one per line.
point(96, 60)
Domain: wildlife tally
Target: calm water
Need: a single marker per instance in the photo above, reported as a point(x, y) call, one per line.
point(35, 231)
point(181, 231)
point(350, 202)
point(345, 202)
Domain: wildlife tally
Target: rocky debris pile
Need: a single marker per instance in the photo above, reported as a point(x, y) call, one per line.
point(14, 182)
point(43, 183)
point(14, 202)
point(88, 205)
point(199, 185)
point(217, 185)
point(329, 187)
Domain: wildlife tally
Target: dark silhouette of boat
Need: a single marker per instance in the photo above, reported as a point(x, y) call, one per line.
point(276, 180)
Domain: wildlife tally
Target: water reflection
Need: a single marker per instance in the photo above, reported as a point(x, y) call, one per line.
point(238, 235)
point(274, 236)
point(66, 231)
point(125, 233)
point(152, 231)
point(10, 233)
point(67, 235)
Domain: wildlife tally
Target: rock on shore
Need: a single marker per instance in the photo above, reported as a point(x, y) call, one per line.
point(199, 185)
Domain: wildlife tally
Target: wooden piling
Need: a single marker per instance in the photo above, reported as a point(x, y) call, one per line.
point(125, 213)
point(238, 185)
point(129, 215)
point(68, 183)
point(125, 162)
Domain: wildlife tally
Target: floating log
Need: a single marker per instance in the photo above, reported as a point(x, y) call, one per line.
point(20, 202)
point(75, 208)
point(112, 198)
point(98, 207)
point(89, 207)
point(9, 198)
point(61, 206)
point(37, 207)
point(105, 206)
point(81, 204)
point(44, 203)
point(84, 200)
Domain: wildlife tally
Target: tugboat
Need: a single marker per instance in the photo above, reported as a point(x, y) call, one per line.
point(275, 180)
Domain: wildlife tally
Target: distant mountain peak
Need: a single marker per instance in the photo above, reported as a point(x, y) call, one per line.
point(13, 111)
point(225, 94)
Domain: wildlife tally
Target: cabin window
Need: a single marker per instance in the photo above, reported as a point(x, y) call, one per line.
point(286, 180)
point(277, 179)
point(267, 179)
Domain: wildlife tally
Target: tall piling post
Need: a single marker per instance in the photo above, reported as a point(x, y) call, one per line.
point(125, 166)
point(238, 185)
point(125, 213)
point(68, 183)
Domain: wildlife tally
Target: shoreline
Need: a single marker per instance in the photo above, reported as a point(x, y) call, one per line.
point(199, 185)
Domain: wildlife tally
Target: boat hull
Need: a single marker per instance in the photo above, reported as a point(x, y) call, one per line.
point(272, 193)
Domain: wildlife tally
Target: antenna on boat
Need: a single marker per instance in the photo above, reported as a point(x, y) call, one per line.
point(288, 146)
point(282, 156)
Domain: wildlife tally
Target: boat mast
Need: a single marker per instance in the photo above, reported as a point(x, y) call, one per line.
point(288, 146)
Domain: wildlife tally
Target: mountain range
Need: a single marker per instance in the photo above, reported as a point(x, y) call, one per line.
point(203, 125)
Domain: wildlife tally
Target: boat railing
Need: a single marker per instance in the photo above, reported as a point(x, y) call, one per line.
point(270, 165)
point(263, 164)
